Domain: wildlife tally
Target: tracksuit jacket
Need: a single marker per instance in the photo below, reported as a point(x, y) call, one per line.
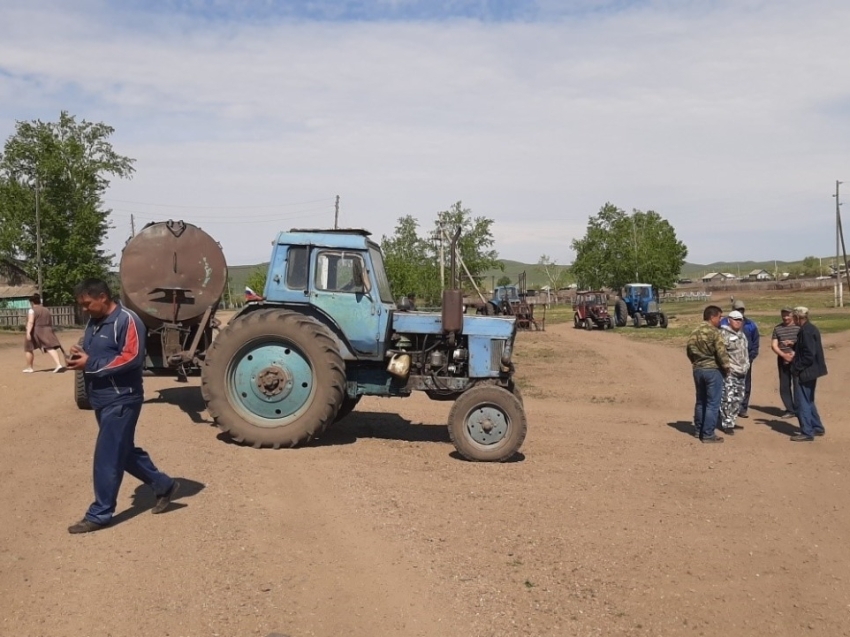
point(115, 345)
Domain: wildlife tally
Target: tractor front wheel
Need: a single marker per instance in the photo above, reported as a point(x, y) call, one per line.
point(588, 323)
point(487, 424)
point(662, 320)
point(576, 321)
point(273, 378)
point(638, 319)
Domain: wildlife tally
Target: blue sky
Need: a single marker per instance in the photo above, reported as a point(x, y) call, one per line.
point(729, 118)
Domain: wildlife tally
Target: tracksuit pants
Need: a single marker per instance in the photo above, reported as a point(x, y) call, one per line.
point(114, 453)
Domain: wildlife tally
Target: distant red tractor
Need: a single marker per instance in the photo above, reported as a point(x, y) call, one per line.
point(591, 310)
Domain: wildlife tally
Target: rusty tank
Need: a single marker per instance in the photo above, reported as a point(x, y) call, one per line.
point(173, 275)
point(172, 272)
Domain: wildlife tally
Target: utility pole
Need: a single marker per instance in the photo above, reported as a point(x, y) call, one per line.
point(634, 232)
point(336, 213)
point(132, 226)
point(839, 283)
point(38, 237)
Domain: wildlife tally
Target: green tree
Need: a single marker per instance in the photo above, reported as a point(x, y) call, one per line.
point(811, 267)
point(475, 243)
point(413, 261)
point(67, 165)
point(411, 267)
point(619, 248)
point(504, 280)
point(556, 275)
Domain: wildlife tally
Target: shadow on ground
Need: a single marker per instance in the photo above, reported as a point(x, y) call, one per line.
point(683, 426)
point(144, 499)
point(786, 427)
point(188, 398)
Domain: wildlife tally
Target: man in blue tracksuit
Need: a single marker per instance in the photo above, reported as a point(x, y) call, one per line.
point(751, 331)
point(112, 357)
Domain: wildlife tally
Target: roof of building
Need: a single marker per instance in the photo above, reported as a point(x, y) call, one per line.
point(17, 291)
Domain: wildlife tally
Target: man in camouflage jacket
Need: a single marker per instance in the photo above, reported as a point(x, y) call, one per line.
point(707, 353)
point(734, 385)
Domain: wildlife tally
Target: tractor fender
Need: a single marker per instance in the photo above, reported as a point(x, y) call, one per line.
point(346, 351)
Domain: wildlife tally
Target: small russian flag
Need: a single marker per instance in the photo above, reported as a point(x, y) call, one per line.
point(250, 295)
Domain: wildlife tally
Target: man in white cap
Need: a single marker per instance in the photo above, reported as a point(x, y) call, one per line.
point(751, 331)
point(734, 382)
point(807, 365)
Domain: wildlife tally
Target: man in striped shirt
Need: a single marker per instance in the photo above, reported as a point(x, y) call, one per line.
point(782, 343)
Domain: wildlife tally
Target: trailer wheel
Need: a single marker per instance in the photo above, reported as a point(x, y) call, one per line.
point(487, 424)
point(81, 398)
point(273, 378)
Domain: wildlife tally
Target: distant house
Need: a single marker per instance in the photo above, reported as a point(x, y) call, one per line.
point(759, 275)
point(15, 286)
point(718, 277)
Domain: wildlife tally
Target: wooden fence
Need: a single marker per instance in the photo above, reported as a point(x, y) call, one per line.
point(64, 316)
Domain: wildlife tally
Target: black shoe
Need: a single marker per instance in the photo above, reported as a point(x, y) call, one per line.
point(164, 500)
point(729, 431)
point(743, 414)
point(820, 432)
point(801, 438)
point(712, 440)
point(86, 526)
point(737, 426)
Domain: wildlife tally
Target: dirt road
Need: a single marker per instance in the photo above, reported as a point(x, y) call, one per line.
point(614, 522)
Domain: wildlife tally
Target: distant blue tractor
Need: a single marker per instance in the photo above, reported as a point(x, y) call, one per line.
point(328, 332)
point(639, 302)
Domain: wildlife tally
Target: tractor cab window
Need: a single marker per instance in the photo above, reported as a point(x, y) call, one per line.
point(297, 268)
point(384, 290)
point(339, 272)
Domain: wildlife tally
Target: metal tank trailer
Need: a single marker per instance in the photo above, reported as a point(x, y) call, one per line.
point(173, 275)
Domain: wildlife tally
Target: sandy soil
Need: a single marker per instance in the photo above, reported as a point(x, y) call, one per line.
point(614, 521)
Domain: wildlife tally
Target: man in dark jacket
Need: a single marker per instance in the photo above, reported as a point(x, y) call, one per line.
point(807, 365)
point(112, 358)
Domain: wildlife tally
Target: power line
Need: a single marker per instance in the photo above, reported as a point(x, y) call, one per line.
point(165, 205)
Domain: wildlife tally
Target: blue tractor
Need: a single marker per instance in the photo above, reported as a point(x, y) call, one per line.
point(639, 302)
point(327, 332)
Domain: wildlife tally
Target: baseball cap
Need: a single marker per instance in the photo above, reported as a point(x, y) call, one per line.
point(801, 310)
point(735, 314)
point(786, 310)
point(738, 305)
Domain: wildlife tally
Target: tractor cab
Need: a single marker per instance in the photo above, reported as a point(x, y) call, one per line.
point(590, 309)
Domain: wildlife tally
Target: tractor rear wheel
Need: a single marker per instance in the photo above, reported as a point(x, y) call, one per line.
point(638, 319)
point(273, 378)
point(662, 319)
point(487, 424)
point(621, 312)
point(81, 398)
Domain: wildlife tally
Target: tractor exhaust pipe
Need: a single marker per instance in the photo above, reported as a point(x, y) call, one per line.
point(452, 317)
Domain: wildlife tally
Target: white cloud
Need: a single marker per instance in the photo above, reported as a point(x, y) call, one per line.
point(729, 119)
